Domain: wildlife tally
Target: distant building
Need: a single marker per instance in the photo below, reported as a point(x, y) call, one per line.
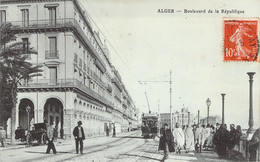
point(212, 120)
point(184, 117)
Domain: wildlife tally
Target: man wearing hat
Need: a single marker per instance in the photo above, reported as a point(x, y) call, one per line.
point(166, 142)
point(79, 136)
point(232, 140)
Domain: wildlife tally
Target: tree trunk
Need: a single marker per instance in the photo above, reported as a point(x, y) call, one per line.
point(13, 113)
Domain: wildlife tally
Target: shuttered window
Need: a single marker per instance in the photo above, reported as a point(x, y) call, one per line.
point(52, 16)
point(53, 46)
point(2, 16)
point(25, 17)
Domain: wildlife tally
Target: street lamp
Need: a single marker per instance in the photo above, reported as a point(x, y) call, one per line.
point(251, 120)
point(28, 109)
point(223, 110)
point(208, 104)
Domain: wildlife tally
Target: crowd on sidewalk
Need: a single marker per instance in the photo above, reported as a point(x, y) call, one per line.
point(211, 137)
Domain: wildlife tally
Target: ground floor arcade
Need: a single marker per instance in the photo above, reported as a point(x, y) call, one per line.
point(65, 109)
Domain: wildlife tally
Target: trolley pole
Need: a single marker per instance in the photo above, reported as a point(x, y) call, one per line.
point(159, 119)
point(171, 98)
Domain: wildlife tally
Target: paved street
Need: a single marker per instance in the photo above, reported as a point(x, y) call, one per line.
point(125, 147)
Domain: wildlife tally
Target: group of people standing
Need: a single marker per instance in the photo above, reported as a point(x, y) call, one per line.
point(196, 137)
point(78, 134)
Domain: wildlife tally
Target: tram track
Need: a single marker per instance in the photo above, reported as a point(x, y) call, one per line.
point(70, 154)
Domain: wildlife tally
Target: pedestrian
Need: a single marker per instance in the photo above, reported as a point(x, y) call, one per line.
point(232, 140)
point(114, 130)
point(107, 130)
point(254, 145)
point(238, 136)
point(166, 142)
point(207, 135)
point(189, 139)
point(179, 138)
point(198, 138)
point(79, 136)
point(210, 137)
point(221, 141)
point(2, 136)
point(203, 135)
point(50, 136)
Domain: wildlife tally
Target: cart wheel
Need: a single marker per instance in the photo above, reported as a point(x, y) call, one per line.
point(43, 139)
point(28, 140)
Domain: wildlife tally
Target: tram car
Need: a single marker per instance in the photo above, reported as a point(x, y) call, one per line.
point(149, 125)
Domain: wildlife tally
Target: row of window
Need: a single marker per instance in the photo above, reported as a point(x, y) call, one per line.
point(25, 16)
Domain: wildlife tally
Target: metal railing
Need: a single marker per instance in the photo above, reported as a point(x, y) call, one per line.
point(84, 67)
point(59, 83)
point(45, 23)
point(52, 54)
point(57, 23)
point(75, 57)
point(80, 62)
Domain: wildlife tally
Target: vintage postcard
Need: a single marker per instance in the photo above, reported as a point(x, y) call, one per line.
point(129, 80)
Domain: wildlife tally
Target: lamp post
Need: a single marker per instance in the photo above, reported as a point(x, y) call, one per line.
point(182, 118)
point(188, 118)
point(198, 117)
point(223, 114)
point(208, 104)
point(251, 119)
point(28, 109)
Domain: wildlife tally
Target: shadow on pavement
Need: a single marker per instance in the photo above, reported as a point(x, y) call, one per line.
point(130, 137)
point(143, 157)
point(58, 152)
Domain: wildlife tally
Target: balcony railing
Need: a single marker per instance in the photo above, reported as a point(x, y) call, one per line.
point(59, 23)
point(84, 67)
point(75, 57)
point(52, 54)
point(80, 62)
point(59, 83)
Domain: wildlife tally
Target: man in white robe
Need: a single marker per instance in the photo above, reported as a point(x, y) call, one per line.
point(189, 139)
point(179, 138)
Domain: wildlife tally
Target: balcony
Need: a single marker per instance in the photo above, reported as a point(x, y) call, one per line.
point(75, 58)
point(52, 54)
point(64, 83)
point(59, 24)
point(109, 88)
point(80, 62)
point(84, 67)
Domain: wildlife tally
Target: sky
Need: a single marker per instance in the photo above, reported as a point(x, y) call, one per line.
point(146, 45)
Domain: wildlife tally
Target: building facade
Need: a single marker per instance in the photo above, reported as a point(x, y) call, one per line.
point(184, 117)
point(78, 81)
point(212, 120)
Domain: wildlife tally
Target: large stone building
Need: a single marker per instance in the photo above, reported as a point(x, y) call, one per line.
point(184, 117)
point(78, 81)
point(212, 120)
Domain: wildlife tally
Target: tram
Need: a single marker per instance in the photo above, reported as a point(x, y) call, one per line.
point(149, 125)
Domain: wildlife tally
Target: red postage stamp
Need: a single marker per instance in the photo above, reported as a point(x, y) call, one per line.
point(241, 39)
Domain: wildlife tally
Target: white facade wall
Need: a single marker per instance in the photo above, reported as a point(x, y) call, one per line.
point(92, 113)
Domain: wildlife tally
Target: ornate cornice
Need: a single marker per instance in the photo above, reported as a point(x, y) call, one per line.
point(28, 1)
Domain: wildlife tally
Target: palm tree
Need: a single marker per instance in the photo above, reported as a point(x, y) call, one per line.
point(14, 66)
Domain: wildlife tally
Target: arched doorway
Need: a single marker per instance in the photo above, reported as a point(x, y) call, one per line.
point(23, 114)
point(53, 113)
